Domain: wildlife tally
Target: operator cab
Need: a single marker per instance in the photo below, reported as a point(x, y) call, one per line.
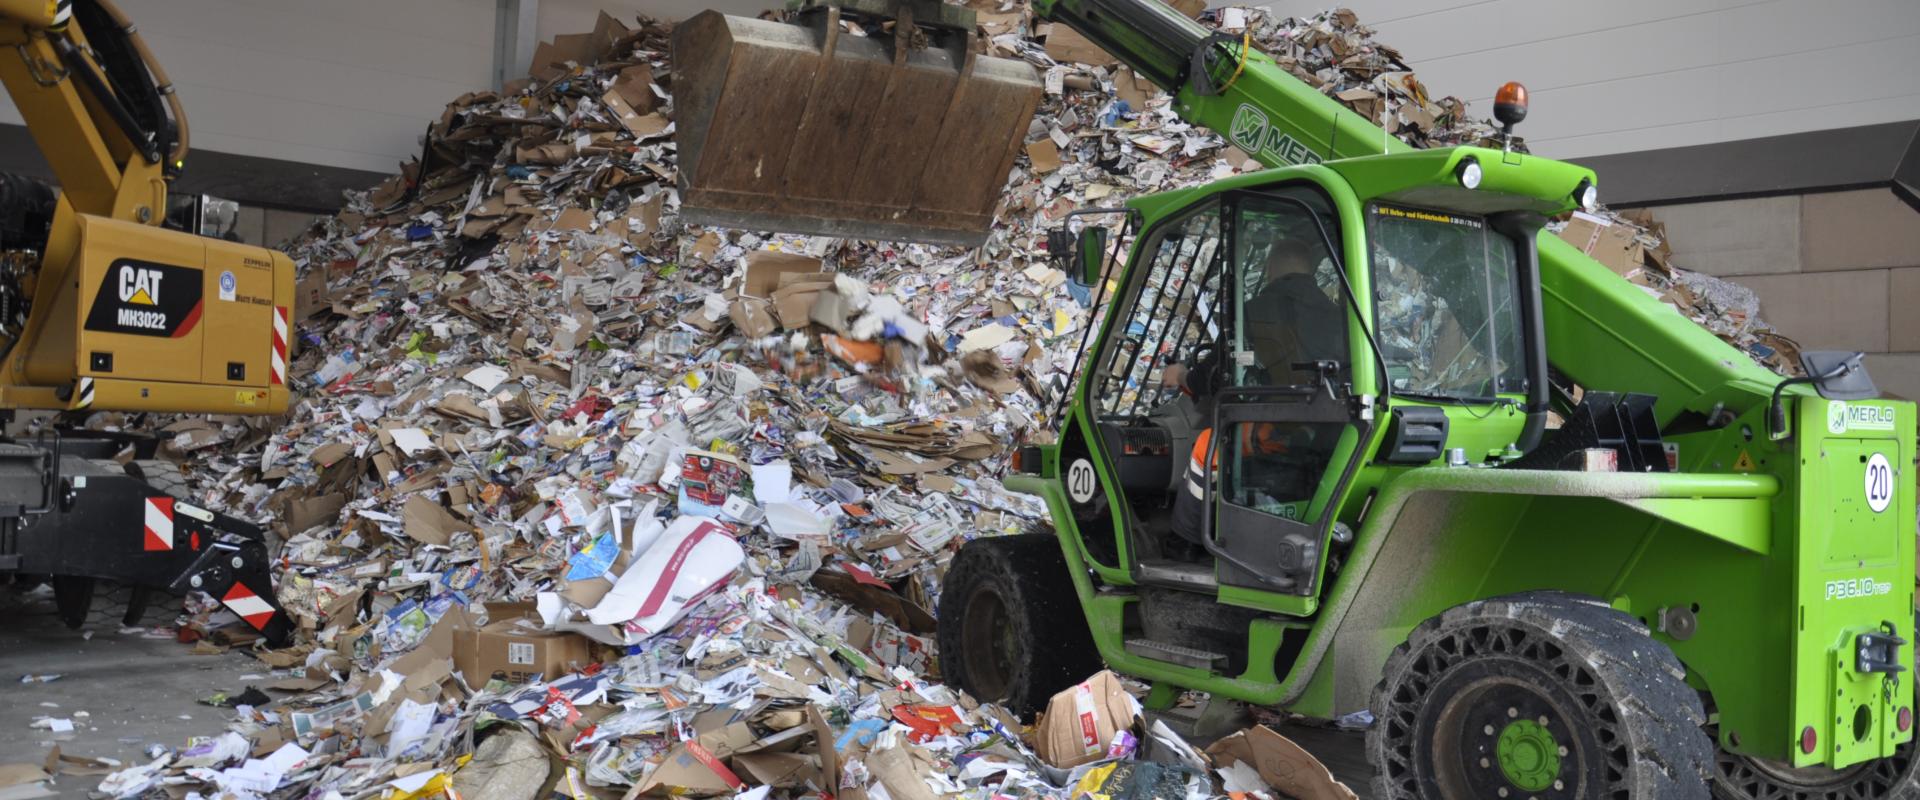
point(1279, 331)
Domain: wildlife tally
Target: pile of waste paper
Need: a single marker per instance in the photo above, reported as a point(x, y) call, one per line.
point(578, 499)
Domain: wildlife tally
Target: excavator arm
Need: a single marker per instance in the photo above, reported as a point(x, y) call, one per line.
point(123, 314)
point(103, 113)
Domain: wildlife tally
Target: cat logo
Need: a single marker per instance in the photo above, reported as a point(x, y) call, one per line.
point(144, 298)
point(139, 286)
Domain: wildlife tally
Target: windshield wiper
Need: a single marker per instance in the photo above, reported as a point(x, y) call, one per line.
point(1439, 397)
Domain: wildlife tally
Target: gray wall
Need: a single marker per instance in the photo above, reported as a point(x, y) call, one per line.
point(342, 83)
point(1629, 75)
point(1838, 270)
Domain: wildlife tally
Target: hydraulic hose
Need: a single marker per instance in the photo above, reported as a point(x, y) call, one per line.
point(162, 83)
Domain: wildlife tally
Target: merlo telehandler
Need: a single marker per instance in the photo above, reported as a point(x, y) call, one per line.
point(1561, 541)
point(103, 308)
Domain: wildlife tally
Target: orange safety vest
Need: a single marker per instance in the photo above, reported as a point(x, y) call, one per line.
point(1257, 439)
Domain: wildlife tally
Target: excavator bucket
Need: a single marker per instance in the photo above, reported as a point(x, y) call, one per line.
point(906, 135)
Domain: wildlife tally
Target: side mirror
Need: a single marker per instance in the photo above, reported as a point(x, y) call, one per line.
point(1060, 250)
point(1090, 254)
point(1839, 374)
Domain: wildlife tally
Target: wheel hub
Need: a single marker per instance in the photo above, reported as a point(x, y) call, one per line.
point(1502, 737)
point(1529, 754)
point(991, 647)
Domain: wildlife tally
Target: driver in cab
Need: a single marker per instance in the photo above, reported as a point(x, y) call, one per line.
point(1289, 321)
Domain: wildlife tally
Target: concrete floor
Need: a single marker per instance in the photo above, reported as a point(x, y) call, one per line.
point(136, 691)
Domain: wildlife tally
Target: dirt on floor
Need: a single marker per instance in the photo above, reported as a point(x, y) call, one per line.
point(123, 688)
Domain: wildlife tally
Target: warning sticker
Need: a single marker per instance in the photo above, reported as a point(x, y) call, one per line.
point(519, 653)
point(1429, 216)
point(1744, 463)
point(229, 286)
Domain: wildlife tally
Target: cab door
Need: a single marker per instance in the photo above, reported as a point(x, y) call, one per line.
point(1286, 427)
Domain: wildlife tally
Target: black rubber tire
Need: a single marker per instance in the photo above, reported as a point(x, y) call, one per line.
point(1019, 587)
point(162, 475)
point(72, 599)
point(1616, 701)
point(138, 598)
point(1897, 778)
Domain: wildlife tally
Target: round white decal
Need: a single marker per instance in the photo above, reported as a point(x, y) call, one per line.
point(1879, 483)
point(1080, 480)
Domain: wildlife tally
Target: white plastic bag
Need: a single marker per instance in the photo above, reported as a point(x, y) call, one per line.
point(694, 557)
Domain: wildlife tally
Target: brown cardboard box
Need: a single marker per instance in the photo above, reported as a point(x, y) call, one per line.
point(310, 295)
point(510, 646)
point(793, 302)
point(1080, 721)
point(753, 316)
point(1609, 244)
point(765, 268)
point(1281, 763)
point(1066, 44)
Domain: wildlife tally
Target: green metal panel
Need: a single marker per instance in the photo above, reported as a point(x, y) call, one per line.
point(1856, 572)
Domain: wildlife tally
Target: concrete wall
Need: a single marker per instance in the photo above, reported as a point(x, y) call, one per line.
point(1837, 271)
point(344, 83)
point(1630, 75)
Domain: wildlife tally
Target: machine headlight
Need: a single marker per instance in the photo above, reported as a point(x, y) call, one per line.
point(1469, 173)
point(1587, 196)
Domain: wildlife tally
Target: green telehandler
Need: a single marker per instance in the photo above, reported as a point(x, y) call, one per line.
point(1308, 464)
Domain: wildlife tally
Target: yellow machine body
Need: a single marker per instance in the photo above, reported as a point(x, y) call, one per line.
point(124, 314)
point(159, 320)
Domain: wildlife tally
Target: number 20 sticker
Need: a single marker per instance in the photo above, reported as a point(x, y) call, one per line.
point(1879, 483)
point(1080, 480)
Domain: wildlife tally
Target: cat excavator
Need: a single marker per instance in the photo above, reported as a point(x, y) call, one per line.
point(105, 308)
point(1556, 538)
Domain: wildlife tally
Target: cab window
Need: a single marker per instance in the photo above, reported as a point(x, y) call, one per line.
point(1172, 317)
point(1447, 298)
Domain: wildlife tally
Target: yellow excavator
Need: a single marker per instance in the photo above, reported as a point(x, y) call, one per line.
point(104, 308)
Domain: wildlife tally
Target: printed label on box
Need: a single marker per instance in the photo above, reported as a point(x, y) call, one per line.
point(519, 653)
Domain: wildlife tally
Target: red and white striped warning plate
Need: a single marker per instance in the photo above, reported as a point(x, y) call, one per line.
point(248, 605)
point(159, 523)
point(279, 373)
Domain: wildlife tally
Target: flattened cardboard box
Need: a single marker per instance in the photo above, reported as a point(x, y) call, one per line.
point(1612, 245)
point(505, 648)
point(1282, 764)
